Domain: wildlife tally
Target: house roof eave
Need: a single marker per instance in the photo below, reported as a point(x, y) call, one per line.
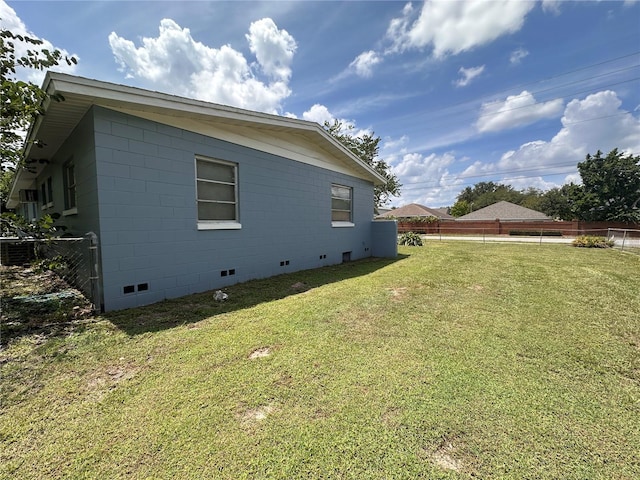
point(81, 94)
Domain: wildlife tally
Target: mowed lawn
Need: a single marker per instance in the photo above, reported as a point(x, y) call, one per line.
point(457, 360)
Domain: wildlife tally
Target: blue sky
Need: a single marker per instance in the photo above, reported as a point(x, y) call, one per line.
point(460, 92)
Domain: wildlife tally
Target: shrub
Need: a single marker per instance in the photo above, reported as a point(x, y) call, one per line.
point(587, 241)
point(420, 220)
point(536, 233)
point(410, 239)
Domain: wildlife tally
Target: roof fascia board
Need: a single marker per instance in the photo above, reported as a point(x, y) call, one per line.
point(101, 92)
point(144, 99)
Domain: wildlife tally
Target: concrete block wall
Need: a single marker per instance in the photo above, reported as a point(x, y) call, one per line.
point(150, 245)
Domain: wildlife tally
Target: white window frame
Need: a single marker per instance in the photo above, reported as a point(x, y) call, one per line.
point(218, 224)
point(342, 223)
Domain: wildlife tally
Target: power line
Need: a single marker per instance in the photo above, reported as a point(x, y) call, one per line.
point(467, 184)
point(545, 170)
point(536, 104)
point(501, 111)
point(501, 93)
point(504, 172)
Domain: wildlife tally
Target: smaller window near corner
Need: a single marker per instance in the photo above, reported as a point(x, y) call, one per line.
point(69, 180)
point(46, 192)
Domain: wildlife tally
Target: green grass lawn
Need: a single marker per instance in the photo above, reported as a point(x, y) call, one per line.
point(457, 360)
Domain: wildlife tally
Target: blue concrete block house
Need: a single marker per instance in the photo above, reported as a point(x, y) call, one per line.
point(187, 196)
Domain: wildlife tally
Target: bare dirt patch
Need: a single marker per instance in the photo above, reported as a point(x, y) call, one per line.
point(256, 415)
point(101, 381)
point(445, 456)
point(397, 293)
point(260, 353)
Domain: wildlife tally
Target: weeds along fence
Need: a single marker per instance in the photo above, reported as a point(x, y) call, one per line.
point(73, 259)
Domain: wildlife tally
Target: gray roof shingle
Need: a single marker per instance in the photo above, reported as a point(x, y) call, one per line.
point(504, 211)
point(415, 210)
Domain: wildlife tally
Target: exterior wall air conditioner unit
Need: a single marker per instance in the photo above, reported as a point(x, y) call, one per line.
point(28, 196)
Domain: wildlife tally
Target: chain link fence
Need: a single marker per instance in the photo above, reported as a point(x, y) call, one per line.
point(74, 259)
point(627, 240)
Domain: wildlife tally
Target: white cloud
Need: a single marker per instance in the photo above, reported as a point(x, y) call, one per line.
point(595, 123)
point(517, 56)
point(273, 48)
point(426, 179)
point(319, 114)
point(13, 23)
point(452, 27)
point(364, 63)
point(177, 63)
point(515, 111)
point(551, 6)
point(390, 144)
point(468, 74)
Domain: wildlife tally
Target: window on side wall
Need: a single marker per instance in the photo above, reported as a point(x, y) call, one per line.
point(341, 206)
point(69, 179)
point(217, 194)
point(46, 192)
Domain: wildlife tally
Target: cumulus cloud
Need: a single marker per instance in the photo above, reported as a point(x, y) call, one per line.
point(452, 27)
point(515, 111)
point(319, 114)
point(13, 23)
point(175, 62)
point(426, 178)
point(468, 74)
point(273, 48)
point(448, 28)
point(364, 63)
point(594, 123)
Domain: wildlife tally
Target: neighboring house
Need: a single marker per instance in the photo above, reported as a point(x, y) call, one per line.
point(416, 210)
point(381, 211)
point(505, 211)
point(187, 196)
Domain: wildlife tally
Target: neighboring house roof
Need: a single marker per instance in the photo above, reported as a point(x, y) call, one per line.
point(504, 211)
point(300, 140)
point(416, 210)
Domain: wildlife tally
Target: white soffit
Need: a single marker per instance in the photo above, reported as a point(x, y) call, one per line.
point(277, 141)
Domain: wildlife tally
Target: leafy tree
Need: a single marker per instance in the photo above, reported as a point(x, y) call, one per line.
point(460, 208)
point(366, 147)
point(22, 101)
point(610, 191)
point(561, 202)
point(13, 225)
point(531, 198)
point(610, 187)
point(487, 193)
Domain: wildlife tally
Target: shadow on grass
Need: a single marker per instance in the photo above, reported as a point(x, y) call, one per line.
point(193, 308)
